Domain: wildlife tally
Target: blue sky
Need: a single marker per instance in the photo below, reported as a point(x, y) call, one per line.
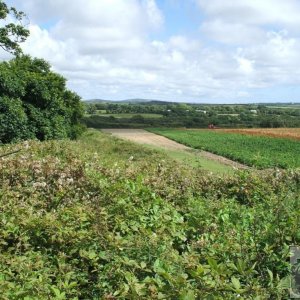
point(181, 17)
point(189, 51)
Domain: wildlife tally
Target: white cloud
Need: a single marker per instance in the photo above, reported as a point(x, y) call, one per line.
point(255, 12)
point(233, 33)
point(154, 14)
point(106, 49)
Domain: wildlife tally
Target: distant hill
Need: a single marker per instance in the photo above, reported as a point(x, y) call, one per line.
point(158, 102)
point(129, 101)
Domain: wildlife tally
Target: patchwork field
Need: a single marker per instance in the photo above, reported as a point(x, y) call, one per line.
point(253, 150)
point(130, 115)
point(203, 159)
point(292, 133)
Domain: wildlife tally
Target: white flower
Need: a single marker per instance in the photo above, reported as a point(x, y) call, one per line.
point(39, 184)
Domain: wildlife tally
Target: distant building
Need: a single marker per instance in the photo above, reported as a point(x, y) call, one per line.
point(253, 111)
point(202, 111)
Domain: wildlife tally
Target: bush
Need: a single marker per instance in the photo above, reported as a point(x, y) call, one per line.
point(126, 222)
point(13, 120)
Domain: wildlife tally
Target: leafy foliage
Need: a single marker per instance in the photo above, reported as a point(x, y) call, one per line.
point(35, 102)
point(101, 218)
point(259, 151)
point(13, 33)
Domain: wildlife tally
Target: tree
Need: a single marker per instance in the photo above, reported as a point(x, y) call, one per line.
point(36, 102)
point(13, 121)
point(12, 33)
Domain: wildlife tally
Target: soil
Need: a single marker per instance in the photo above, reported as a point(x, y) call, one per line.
point(144, 137)
point(289, 133)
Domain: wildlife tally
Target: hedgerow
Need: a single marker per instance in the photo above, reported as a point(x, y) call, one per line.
point(101, 218)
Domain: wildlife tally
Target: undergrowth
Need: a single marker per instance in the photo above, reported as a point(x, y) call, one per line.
point(102, 218)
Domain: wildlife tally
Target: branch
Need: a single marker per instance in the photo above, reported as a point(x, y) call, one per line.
point(10, 153)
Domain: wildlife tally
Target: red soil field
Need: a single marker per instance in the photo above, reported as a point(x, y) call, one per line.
point(290, 133)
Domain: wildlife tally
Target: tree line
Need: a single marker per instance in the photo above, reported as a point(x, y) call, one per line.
point(104, 115)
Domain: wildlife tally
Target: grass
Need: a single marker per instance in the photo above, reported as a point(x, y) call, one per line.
point(258, 151)
point(102, 218)
point(195, 160)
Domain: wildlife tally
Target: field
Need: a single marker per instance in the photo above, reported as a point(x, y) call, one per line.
point(128, 116)
point(252, 150)
point(201, 159)
point(294, 106)
point(292, 133)
point(103, 218)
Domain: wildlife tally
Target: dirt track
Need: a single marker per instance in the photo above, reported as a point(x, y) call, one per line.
point(144, 137)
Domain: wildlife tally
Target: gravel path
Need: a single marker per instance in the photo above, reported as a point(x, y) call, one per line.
point(144, 137)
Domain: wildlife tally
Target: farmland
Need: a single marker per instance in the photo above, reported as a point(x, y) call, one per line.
point(292, 133)
point(157, 114)
point(127, 214)
point(103, 218)
point(128, 115)
point(252, 150)
point(204, 160)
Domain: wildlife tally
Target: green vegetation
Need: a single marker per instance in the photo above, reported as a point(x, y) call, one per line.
point(258, 151)
point(35, 103)
point(128, 116)
point(196, 160)
point(100, 218)
point(145, 115)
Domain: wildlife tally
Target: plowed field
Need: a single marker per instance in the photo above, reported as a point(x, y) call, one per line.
point(291, 133)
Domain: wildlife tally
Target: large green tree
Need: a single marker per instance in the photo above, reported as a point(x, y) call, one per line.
point(12, 32)
point(35, 103)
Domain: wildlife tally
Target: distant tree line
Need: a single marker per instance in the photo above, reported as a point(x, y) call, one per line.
point(189, 115)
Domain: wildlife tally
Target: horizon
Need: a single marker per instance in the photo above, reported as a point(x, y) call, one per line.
point(181, 51)
point(185, 102)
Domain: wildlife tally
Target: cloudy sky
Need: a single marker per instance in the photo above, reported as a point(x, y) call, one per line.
point(180, 50)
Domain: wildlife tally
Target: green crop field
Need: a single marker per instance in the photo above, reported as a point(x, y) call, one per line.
point(258, 151)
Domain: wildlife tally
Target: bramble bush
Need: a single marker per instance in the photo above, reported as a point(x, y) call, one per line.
point(101, 218)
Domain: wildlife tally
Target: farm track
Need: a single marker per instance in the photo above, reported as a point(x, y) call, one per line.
point(141, 136)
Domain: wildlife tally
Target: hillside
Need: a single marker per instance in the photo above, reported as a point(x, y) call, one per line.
point(101, 218)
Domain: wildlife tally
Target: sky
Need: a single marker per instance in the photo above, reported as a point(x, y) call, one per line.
point(204, 51)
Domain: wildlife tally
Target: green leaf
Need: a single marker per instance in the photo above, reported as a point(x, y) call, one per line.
point(236, 283)
point(187, 295)
point(213, 264)
point(284, 283)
